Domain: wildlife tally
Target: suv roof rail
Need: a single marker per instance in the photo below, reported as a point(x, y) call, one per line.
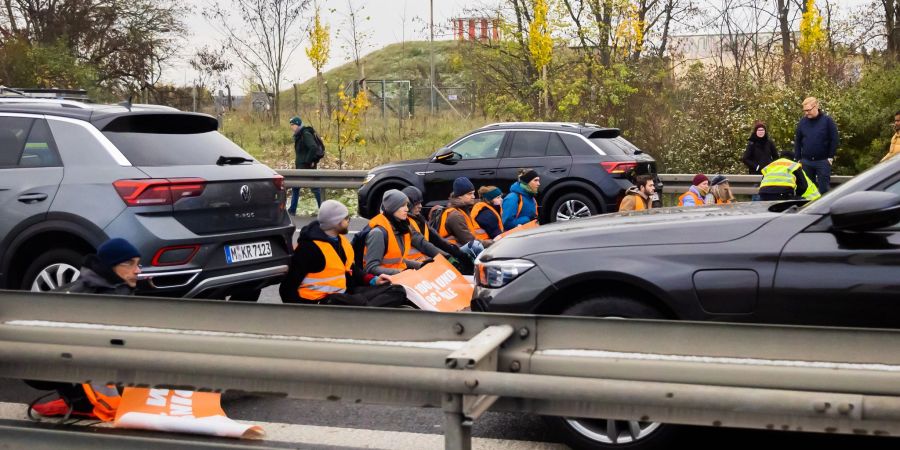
point(67, 94)
point(556, 124)
point(45, 101)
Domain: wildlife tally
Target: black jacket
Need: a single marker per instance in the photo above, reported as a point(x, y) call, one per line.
point(435, 239)
point(308, 258)
point(95, 278)
point(760, 153)
point(304, 149)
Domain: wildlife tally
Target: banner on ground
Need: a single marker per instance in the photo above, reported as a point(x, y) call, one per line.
point(437, 286)
point(181, 412)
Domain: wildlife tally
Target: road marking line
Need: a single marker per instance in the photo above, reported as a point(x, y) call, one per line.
point(343, 437)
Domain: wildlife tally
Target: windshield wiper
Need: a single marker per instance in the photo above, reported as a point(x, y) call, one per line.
point(231, 160)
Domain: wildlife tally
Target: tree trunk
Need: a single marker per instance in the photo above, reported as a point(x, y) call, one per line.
point(319, 89)
point(670, 6)
point(12, 18)
point(891, 11)
point(786, 53)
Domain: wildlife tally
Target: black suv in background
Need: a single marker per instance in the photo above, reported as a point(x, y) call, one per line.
point(584, 169)
point(208, 220)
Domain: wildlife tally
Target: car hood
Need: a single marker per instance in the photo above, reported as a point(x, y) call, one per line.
point(410, 164)
point(673, 225)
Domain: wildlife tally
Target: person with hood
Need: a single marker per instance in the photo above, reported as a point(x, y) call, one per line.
point(304, 158)
point(322, 268)
point(113, 270)
point(456, 224)
point(760, 149)
point(784, 179)
point(719, 191)
point(391, 236)
point(696, 194)
point(431, 235)
point(485, 214)
point(520, 205)
point(637, 197)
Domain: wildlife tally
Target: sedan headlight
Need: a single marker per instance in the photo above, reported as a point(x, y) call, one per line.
point(369, 177)
point(498, 273)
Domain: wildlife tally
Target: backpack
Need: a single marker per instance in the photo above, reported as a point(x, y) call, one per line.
point(359, 245)
point(320, 146)
point(434, 216)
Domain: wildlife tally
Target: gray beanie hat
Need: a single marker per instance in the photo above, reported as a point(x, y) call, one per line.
point(331, 213)
point(413, 194)
point(393, 200)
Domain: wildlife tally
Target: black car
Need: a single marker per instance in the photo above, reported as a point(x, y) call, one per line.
point(832, 262)
point(584, 169)
point(208, 220)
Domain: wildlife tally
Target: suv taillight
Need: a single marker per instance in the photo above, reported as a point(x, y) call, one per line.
point(279, 182)
point(158, 191)
point(619, 167)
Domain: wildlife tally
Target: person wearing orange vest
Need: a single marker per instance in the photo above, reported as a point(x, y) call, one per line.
point(452, 252)
point(391, 236)
point(456, 224)
point(485, 213)
point(520, 205)
point(696, 195)
point(637, 197)
point(719, 191)
point(322, 268)
point(112, 271)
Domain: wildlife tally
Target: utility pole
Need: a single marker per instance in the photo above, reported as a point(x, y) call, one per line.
point(431, 51)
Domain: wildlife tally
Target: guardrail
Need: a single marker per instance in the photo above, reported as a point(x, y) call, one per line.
point(353, 179)
point(835, 380)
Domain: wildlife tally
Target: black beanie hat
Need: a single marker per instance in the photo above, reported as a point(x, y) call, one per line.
point(528, 176)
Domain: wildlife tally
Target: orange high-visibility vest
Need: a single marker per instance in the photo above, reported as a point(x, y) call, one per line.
point(393, 254)
point(697, 200)
point(105, 400)
point(480, 234)
point(413, 253)
point(332, 279)
point(443, 228)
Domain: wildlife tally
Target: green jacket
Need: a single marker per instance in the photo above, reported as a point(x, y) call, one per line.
point(304, 147)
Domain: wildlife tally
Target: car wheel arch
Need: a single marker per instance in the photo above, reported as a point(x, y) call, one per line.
point(575, 289)
point(378, 190)
point(563, 187)
point(32, 241)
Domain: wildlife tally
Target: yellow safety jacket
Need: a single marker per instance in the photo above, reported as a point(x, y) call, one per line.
point(393, 254)
point(332, 279)
point(781, 173)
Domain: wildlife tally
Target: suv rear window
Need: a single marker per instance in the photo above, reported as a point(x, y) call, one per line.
point(615, 146)
point(162, 149)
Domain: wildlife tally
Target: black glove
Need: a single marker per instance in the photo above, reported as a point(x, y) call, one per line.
point(459, 254)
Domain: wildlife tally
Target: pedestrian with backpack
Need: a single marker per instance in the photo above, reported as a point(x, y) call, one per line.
point(308, 150)
point(520, 205)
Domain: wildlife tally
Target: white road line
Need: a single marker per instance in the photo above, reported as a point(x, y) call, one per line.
point(343, 437)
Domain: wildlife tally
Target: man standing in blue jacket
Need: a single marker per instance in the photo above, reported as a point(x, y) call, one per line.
point(815, 143)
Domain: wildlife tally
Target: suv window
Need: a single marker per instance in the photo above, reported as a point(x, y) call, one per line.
point(480, 145)
point(556, 147)
point(160, 149)
point(615, 146)
point(529, 143)
point(13, 133)
point(40, 150)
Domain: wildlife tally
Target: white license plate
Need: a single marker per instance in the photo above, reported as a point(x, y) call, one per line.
point(247, 252)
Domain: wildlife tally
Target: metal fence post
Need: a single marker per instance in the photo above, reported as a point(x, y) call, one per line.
point(457, 430)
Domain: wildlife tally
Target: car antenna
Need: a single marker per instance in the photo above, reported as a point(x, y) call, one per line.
point(127, 103)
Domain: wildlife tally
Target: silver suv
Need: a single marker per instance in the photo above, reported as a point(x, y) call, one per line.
point(209, 221)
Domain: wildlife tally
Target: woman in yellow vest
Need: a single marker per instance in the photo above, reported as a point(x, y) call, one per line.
point(486, 213)
point(637, 197)
point(696, 194)
point(322, 269)
point(784, 179)
point(391, 236)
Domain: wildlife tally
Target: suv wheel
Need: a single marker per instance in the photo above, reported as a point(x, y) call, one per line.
point(52, 270)
point(572, 206)
point(581, 433)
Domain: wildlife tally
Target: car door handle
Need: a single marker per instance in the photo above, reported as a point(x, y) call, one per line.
point(558, 170)
point(32, 198)
point(487, 172)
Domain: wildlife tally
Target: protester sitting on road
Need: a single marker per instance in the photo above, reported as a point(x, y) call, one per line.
point(322, 269)
point(485, 214)
point(456, 224)
point(637, 197)
point(894, 149)
point(391, 236)
point(760, 149)
point(431, 235)
point(784, 179)
point(112, 271)
point(719, 191)
point(520, 205)
point(696, 193)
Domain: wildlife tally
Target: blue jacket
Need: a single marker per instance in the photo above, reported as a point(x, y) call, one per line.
point(816, 139)
point(511, 205)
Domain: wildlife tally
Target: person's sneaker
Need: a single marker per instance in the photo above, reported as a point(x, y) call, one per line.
point(58, 408)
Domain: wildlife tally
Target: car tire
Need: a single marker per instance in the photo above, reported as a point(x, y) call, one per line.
point(376, 196)
point(570, 206)
point(595, 434)
point(52, 270)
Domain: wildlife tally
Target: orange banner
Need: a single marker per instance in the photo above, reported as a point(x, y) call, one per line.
point(180, 412)
point(437, 286)
point(524, 226)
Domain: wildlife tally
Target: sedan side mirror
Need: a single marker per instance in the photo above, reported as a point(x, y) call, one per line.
point(446, 156)
point(865, 211)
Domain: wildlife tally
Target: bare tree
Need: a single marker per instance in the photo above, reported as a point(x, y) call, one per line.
point(264, 36)
point(211, 66)
point(355, 36)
